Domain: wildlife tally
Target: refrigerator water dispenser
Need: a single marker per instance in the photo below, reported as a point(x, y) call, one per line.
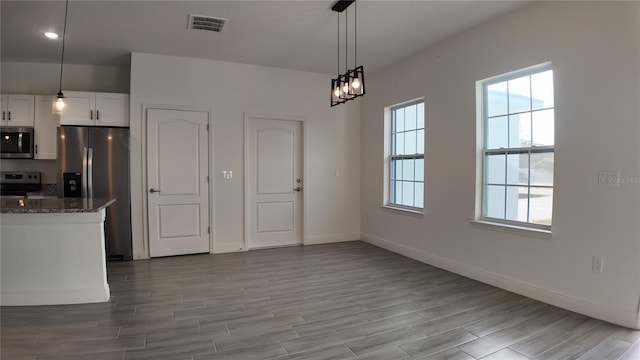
point(72, 184)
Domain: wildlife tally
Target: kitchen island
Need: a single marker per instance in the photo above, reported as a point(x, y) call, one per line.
point(52, 251)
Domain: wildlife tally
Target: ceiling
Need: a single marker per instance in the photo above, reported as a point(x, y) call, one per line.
point(298, 35)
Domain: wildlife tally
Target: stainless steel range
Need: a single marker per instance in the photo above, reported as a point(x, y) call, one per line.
point(19, 183)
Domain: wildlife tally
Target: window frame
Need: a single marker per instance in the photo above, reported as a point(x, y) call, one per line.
point(390, 157)
point(482, 87)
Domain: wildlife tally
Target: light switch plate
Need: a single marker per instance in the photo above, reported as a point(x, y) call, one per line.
point(597, 264)
point(226, 174)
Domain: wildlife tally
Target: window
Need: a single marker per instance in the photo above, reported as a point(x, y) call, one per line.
point(406, 156)
point(518, 149)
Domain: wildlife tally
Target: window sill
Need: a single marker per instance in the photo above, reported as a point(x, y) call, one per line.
point(512, 229)
point(403, 211)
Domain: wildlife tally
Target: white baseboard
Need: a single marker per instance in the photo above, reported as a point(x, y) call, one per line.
point(55, 297)
point(624, 318)
point(224, 248)
point(330, 238)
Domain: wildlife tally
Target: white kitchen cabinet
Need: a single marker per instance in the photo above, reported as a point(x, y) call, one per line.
point(17, 110)
point(79, 109)
point(45, 128)
point(95, 109)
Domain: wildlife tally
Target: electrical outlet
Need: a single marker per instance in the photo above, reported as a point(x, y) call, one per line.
point(598, 264)
point(609, 178)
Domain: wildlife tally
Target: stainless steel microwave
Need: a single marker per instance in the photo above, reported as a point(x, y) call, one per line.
point(16, 142)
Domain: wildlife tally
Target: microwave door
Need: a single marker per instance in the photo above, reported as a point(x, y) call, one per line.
point(16, 144)
point(11, 143)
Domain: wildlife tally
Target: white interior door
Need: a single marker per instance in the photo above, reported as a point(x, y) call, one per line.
point(273, 156)
point(177, 175)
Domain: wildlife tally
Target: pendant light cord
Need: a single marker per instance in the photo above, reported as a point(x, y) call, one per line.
point(346, 41)
point(355, 34)
point(338, 43)
point(64, 33)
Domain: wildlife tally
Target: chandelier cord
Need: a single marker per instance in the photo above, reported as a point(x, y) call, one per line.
point(64, 33)
point(338, 43)
point(346, 40)
point(355, 34)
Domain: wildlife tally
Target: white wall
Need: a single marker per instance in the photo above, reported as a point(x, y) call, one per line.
point(594, 48)
point(44, 79)
point(331, 140)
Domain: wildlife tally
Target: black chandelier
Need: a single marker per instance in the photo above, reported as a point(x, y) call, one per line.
point(349, 85)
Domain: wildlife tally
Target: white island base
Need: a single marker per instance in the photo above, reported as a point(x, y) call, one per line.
point(53, 258)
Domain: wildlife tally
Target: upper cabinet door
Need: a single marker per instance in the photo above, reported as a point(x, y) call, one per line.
point(112, 109)
point(80, 108)
point(46, 123)
point(4, 100)
point(17, 110)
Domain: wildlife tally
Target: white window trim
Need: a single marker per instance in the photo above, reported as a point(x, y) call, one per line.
point(510, 226)
point(512, 229)
point(415, 212)
point(386, 193)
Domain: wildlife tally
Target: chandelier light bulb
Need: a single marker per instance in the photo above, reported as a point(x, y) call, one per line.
point(345, 88)
point(336, 92)
point(356, 83)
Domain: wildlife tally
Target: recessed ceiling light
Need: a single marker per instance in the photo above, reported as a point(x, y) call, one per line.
point(50, 35)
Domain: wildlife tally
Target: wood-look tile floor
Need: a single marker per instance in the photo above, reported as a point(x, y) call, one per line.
point(338, 301)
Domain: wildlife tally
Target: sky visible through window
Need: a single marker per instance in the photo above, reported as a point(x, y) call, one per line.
point(520, 115)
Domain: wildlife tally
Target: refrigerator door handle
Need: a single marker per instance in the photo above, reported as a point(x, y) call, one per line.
point(85, 164)
point(90, 172)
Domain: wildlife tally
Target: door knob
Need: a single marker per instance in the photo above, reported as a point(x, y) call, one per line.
point(152, 190)
point(298, 189)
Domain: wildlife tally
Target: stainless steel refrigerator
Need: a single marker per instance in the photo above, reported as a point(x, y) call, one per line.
point(94, 162)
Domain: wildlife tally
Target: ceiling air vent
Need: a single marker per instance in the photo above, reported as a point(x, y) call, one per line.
point(207, 23)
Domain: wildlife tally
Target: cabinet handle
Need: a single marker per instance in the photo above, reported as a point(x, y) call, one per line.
point(97, 114)
point(3, 115)
point(9, 112)
point(90, 114)
point(36, 149)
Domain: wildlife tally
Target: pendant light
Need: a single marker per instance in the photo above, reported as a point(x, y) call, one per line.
point(349, 85)
point(59, 103)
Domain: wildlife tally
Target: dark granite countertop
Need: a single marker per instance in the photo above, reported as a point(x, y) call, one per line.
point(47, 190)
point(57, 205)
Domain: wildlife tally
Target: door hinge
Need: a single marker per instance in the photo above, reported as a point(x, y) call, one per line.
point(207, 178)
point(207, 127)
point(208, 230)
